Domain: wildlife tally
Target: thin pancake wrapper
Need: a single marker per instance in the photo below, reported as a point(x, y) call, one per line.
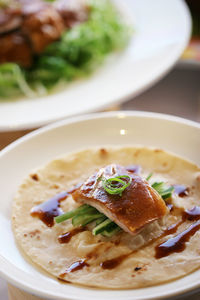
point(122, 261)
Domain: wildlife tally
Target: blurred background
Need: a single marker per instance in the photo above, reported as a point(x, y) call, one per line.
point(177, 94)
point(180, 89)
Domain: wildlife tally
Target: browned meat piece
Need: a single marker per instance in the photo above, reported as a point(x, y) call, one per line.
point(138, 205)
point(72, 11)
point(32, 7)
point(42, 24)
point(10, 18)
point(15, 48)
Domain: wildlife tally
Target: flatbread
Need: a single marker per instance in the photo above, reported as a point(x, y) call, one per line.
point(136, 265)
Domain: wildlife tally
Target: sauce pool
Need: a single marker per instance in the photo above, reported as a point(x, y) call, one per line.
point(134, 169)
point(177, 243)
point(181, 190)
point(66, 237)
point(113, 263)
point(50, 209)
point(192, 214)
point(77, 265)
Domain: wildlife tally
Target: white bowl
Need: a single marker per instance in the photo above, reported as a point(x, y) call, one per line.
point(116, 128)
point(162, 31)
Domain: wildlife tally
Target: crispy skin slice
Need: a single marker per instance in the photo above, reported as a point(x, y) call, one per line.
point(138, 206)
point(42, 24)
point(72, 12)
point(15, 48)
point(10, 19)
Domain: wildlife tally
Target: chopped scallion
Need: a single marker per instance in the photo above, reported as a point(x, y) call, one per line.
point(149, 176)
point(116, 185)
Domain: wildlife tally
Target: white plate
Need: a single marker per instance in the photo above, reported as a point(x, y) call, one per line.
point(162, 30)
point(117, 128)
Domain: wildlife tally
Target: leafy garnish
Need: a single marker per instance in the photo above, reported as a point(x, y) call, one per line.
point(116, 185)
point(149, 176)
point(12, 78)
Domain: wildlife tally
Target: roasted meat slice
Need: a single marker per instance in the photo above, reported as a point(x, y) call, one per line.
point(10, 18)
point(42, 24)
point(15, 48)
point(31, 7)
point(138, 205)
point(72, 11)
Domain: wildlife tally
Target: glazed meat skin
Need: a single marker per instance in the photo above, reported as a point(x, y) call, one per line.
point(15, 48)
point(10, 19)
point(33, 25)
point(138, 205)
point(42, 24)
point(72, 11)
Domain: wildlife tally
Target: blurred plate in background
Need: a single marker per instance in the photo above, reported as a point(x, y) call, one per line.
point(191, 55)
point(162, 30)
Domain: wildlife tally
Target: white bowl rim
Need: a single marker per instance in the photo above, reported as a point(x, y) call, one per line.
point(113, 114)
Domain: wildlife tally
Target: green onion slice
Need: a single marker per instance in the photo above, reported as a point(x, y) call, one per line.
point(149, 176)
point(116, 185)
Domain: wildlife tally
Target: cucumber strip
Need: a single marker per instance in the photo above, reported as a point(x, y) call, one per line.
point(89, 220)
point(107, 233)
point(162, 189)
point(100, 220)
point(167, 195)
point(89, 210)
point(103, 226)
point(84, 219)
point(70, 214)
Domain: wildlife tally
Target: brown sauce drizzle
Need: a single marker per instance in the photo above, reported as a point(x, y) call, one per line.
point(134, 169)
point(172, 229)
point(50, 209)
point(61, 278)
point(181, 190)
point(76, 266)
point(137, 269)
point(192, 214)
point(66, 237)
point(170, 206)
point(177, 243)
point(90, 184)
point(35, 177)
point(76, 187)
point(113, 263)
